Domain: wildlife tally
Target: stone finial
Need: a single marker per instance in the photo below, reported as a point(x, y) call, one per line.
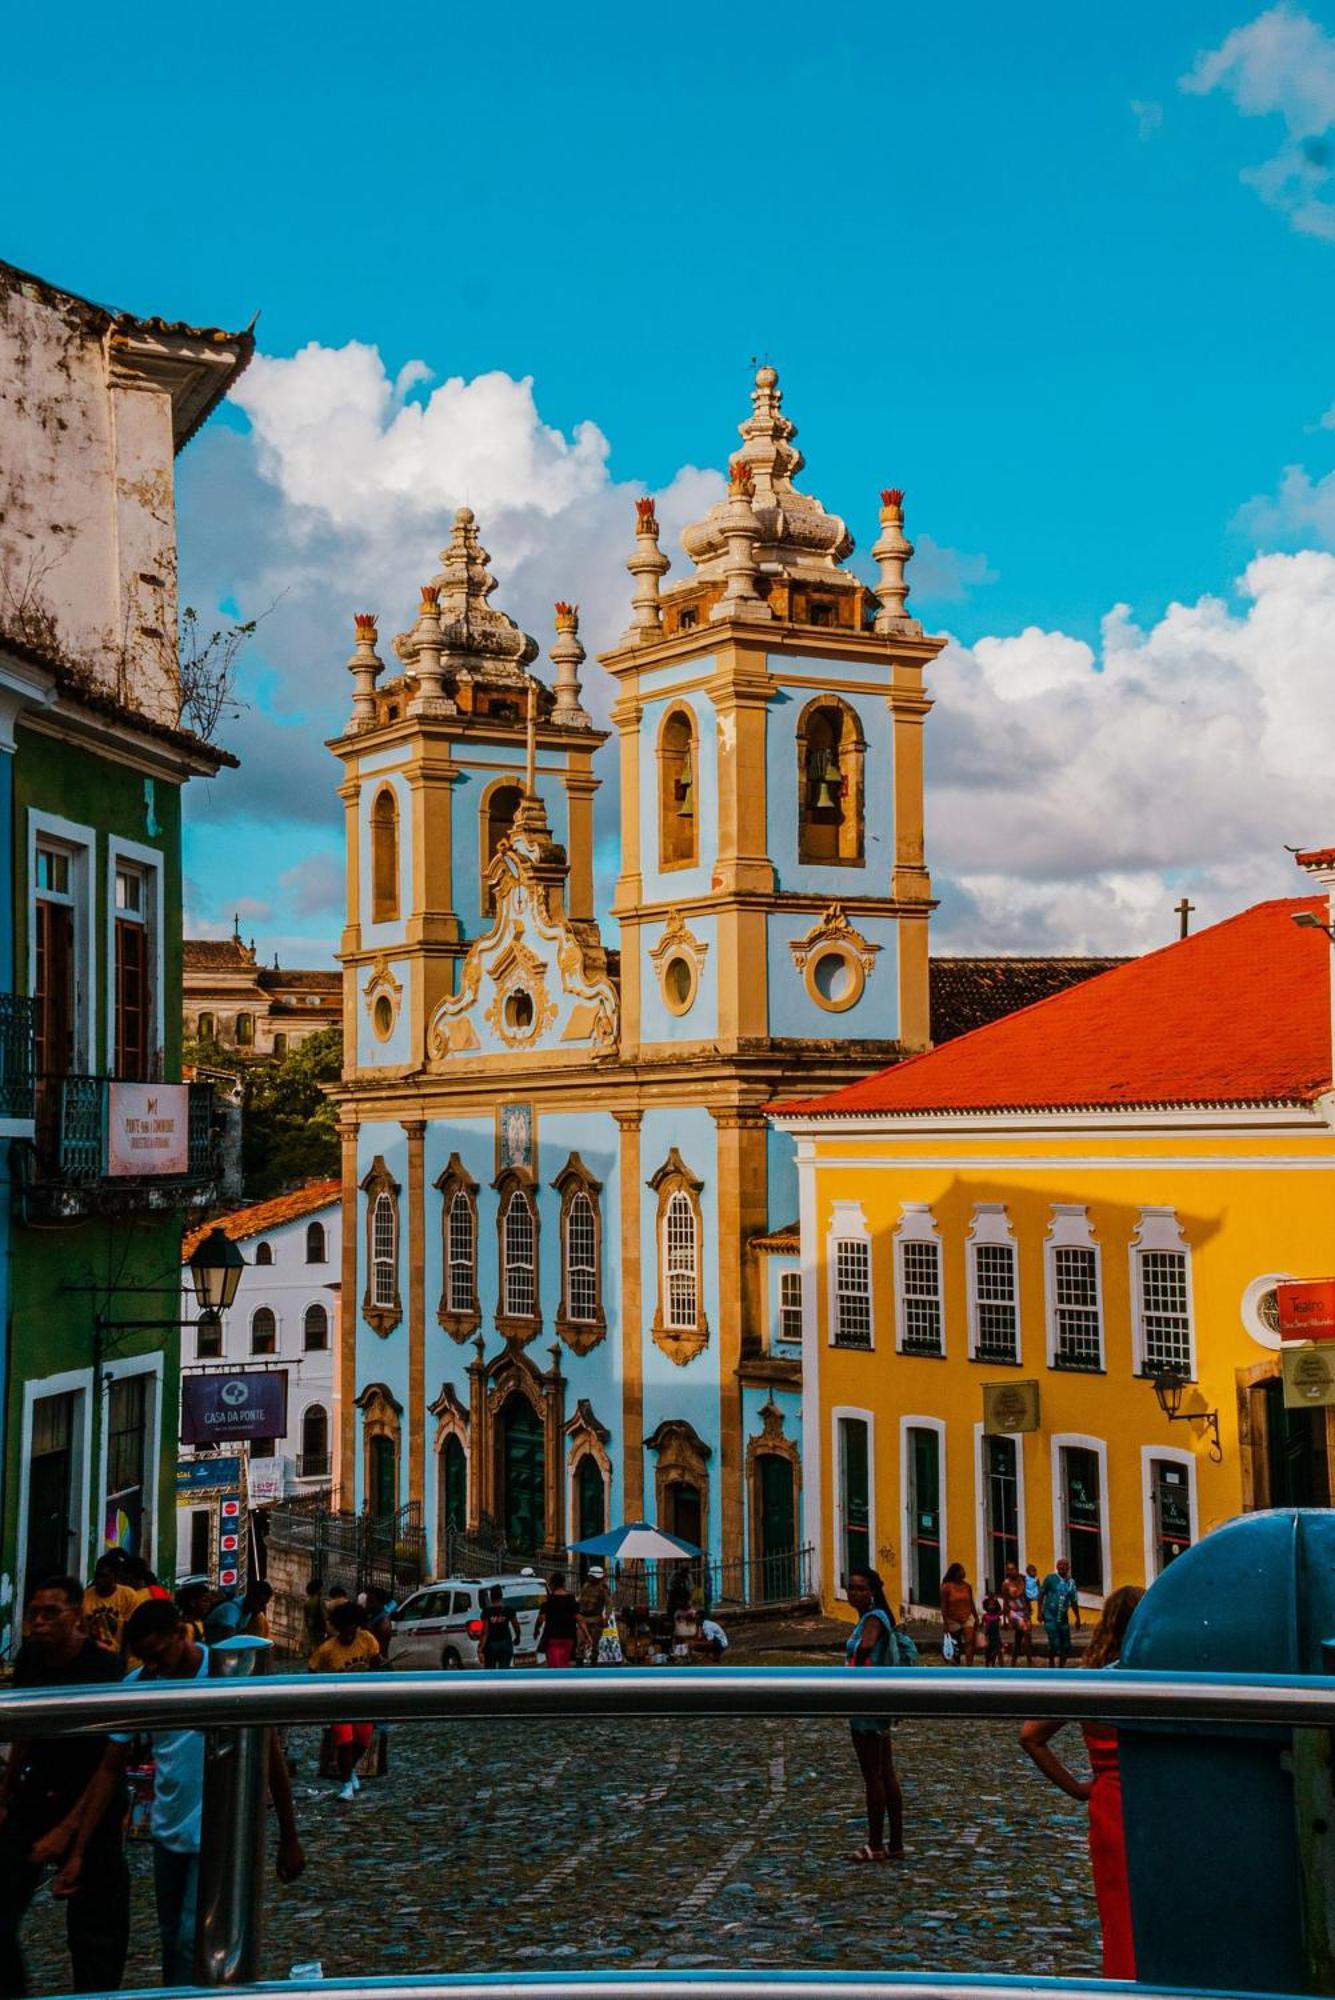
point(425, 647)
point(648, 565)
point(891, 551)
point(364, 666)
point(567, 656)
point(740, 531)
point(476, 639)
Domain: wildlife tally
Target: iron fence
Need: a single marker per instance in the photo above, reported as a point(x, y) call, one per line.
point(744, 1583)
point(360, 1551)
point(71, 1131)
point(17, 1026)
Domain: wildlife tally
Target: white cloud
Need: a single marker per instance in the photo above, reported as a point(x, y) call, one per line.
point(1148, 116)
point(1301, 509)
point(1282, 63)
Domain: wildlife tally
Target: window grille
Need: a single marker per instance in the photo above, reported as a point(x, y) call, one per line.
point(461, 1252)
point(315, 1239)
point(790, 1305)
point(315, 1329)
point(263, 1331)
point(1075, 1282)
point(920, 1283)
point(384, 1251)
point(581, 1259)
point(1165, 1326)
point(996, 1312)
point(852, 1292)
point(682, 1272)
point(519, 1244)
point(208, 1337)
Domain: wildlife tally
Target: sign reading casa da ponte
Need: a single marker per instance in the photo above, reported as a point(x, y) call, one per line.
point(217, 1409)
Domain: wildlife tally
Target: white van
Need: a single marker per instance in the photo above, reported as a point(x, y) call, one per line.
point(440, 1625)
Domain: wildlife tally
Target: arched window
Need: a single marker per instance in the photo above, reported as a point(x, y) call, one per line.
point(517, 1313)
point(679, 1327)
point(384, 857)
point(498, 816)
point(280, 1045)
point(314, 1443)
point(264, 1253)
point(580, 1322)
point(245, 1031)
point(458, 1311)
point(678, 791)
point(831, 751)
point(206, 1028)
point(263, 1331)
point(381, 1305)
point(315, 1329)
point(209, 1337)
point(316, 1248)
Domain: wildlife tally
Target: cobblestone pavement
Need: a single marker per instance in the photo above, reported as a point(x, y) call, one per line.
point(518, 1846)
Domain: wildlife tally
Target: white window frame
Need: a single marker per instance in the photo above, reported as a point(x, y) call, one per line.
point(390, 1263)
point(671, 1271)
point(1060, 1442)
point(510, 1264)
point(81, 844)
point(907, 1424)
point(917, 1224)
point(263, 1305)
point(147, 861)
point(1159, 1229)
point(115, 1371)
point(296, 1437)
point(1174, 1454)
point(1071, 1229)
point(980, 1496)
point(328, 1347)
point(848, 1224)
point(74, 1381)
point(795, 1277)
point(839, 1414)
point(590, 1318)
point(991, 1227)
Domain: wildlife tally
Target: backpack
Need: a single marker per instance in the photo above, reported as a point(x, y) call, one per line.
point(902, 1649)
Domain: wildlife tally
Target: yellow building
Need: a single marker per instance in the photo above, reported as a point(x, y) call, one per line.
point(1006, 1240)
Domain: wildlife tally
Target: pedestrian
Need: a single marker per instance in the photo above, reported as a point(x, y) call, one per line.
point(594, 1604)
point(164, 1641)
point(108, 1602)
point(62, 1803)
point(379, 1623)
point(194, 1601)
point(1103, 1791)
point(1015, 1598)
point(500, 1632)
point(337, 1595)
point(314, 1623)
point(350, 1649)
point(1032, 1587)
point(1058, 1602)
point(225, 1617)
point(713, 1640)
point(255, 1611)
point(559, 1624)
point(872, 1644)
point(959, 1617)
point(994, 1614)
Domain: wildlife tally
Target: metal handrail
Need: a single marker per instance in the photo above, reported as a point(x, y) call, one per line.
point(695, 1984)
point(1306, 1700)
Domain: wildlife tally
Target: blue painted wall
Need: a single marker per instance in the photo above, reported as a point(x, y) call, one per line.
point(382, 1360)
point(781, 778)
point(657, 1021)
point(667, 885)
point(792, 1011)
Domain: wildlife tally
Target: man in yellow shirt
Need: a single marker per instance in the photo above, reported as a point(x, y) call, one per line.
point(108, 1602)
point(351, 1650)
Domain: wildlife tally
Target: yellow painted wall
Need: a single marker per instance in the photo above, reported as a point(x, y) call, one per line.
point(1249, 1203)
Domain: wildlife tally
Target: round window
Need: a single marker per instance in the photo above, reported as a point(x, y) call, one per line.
point(1260, 1309)
point(519, 1011)
point(679, 983)
point(382, 1016)
point(835, 978)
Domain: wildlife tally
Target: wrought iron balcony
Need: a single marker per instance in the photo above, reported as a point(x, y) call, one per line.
point(16, 1056)
point(72, 1169)
point(314, 1465)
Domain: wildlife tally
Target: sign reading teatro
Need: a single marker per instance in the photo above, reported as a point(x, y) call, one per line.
point(148, 1128)
point(217, 1409)
point(1306, 1309)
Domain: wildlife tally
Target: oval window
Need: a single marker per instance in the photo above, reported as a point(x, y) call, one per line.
point(519, 1011)
point(382, 1016)
point(833, 977)
point(679, 984)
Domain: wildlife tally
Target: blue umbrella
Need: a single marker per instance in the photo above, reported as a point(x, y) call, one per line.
point(636, 1541)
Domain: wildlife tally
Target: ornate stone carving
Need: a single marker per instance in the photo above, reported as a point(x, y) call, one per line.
point(678, 942)
point(381, 985)
point(834, 927)
point(681, 1343)
point(682, 1460)
point(381, 1315)
point(834, 959)
point(466, 635)
point(521, 1009)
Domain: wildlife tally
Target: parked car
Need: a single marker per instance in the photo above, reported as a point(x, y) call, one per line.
point(440, 1625)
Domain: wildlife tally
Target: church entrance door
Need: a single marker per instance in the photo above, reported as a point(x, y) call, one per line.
point(453, 1486)
point(778, 1528)
point(687, 1520)
point(522, 1470)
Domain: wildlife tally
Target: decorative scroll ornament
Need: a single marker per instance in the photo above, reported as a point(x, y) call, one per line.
point(678, 960)
point(381, 995)
point(834, 928)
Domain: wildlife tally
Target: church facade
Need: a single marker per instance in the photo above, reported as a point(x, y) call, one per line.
point(571, 1260)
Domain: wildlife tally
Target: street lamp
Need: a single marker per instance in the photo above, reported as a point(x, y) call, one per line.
point(215, 1271)
point(1168, 1386)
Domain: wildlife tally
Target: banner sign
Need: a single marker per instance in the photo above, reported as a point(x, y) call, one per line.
point(264, 1480)
point(1309, 1378)
point(1306, 1311)
point(209, 1475)
point(1009, 1407)
point(218, 1408)
point(148, 1128)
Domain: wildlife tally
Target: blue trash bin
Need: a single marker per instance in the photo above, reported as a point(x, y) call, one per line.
point(1212, 1819)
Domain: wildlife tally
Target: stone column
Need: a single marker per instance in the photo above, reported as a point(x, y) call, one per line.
point(349, 1326)
point(632, 1320)
point(416, 1412)
point(742, 1213)
point(479, 1441)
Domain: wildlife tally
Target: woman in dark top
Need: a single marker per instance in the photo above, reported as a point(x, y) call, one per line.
point(872, 1644)
point(500, 1632)
point(559, 1624)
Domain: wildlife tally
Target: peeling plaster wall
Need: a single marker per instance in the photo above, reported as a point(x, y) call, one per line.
point(87, 521)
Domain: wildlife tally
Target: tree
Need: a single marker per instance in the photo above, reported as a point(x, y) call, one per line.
point(290, 1130)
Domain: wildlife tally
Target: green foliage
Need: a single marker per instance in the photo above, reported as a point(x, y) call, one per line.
point(290, 1133)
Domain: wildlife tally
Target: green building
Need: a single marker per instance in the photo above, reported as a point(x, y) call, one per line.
point(107, 1152)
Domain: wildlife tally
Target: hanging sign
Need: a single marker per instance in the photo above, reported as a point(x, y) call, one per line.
point(218, 1408)
point(1307, 1309)
point(148, 1128)
point(1309, 1378)
point(1009, 1407)
point(264, 1480)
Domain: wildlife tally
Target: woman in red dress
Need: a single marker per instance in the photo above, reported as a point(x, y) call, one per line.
point(1103, 1791)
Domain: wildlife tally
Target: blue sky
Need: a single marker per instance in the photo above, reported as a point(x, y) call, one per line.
point(1001, 257)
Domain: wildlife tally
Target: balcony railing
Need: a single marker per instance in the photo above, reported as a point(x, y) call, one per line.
point(16, 1056)
point(72, 1130)
point(314, 1465)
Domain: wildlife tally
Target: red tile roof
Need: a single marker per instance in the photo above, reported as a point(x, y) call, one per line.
point(265, 1215)
point(217, 955)
point(1315, 857)
point(1237, 1014)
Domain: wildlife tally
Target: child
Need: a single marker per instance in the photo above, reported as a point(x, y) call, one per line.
point(351, 1650)
point(993, 1613)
